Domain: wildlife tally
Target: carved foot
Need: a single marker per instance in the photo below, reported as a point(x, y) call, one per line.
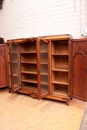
point(33, 95)
point(9, 90)
point(67, 102)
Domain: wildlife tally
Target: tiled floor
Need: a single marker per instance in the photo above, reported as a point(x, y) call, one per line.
point(84, 120)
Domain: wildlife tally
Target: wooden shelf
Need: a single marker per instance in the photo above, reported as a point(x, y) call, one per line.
point(44, 83)
point(44, 73)
point(44, 63)
point(28, 72)
point(30, 87)
point(29, 81)
point(16, 85)
point(59, 82)
point(63, 70)
point(15, 75)
point(43, 52)
point(30, 52)
point(60, 54)
point(23, 62)
point(44, 90)
point(15, 62)
point(62, 92)
point(14, 52)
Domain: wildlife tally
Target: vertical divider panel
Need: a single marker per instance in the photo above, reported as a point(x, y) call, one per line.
point(38, 66)
point(50, 66)
point(11, 71)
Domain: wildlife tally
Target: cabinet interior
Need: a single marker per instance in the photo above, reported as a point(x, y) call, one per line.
point(28, 58)
point(60, 67)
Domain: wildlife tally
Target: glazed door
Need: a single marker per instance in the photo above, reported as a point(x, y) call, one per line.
point(43, 69)
point(15, 65)
point(80, 71)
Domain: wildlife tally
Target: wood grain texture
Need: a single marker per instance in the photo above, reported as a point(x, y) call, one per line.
point(3, 66)
point(79, 69)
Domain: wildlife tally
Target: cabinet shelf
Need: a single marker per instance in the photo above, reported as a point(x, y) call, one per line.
point(44, 83)
point(16, 75)
point(63, 54)
point(14, 52)
point(29, 81)
point(59, 82)
point(23, 62)
point(63, 70)
point(30, 52)
point(33, 88)
point(62, 92)
point(44, 73)
point(45, 63)
point(43, 52)
point(14, 62)
point(16, 85)
point(28, 72)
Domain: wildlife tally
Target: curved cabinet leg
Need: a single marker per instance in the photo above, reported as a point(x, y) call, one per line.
point(9, 90)
point(33, 95)
point(67, 102)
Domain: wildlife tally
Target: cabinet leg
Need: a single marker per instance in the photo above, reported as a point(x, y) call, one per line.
point(9, 90)
point(67, 102)
point(33, 95)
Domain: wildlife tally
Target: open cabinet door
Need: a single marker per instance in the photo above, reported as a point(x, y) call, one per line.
point(15, 66)
point(43, 68)
point(80, 69)
point(3, 67)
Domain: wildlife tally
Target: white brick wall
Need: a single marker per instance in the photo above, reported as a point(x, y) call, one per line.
point(29, 18)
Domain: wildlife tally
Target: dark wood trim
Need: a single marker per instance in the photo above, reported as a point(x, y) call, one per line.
point(38, 68)
point(50, 67)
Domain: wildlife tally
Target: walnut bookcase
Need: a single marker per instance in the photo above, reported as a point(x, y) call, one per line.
point(41, 67)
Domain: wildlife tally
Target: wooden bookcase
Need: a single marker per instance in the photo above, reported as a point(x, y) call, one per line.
point(23, 66)
point(41, 67)
point(60, 67)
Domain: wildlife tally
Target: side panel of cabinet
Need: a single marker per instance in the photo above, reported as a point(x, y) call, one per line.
point(79, 70)
point(3, 67)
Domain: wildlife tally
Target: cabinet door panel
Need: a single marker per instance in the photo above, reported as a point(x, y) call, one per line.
point(2, 70)
point(79, 76)
point(43, 69)
point(79, 69)
point(3, 67)
point(15, 60)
